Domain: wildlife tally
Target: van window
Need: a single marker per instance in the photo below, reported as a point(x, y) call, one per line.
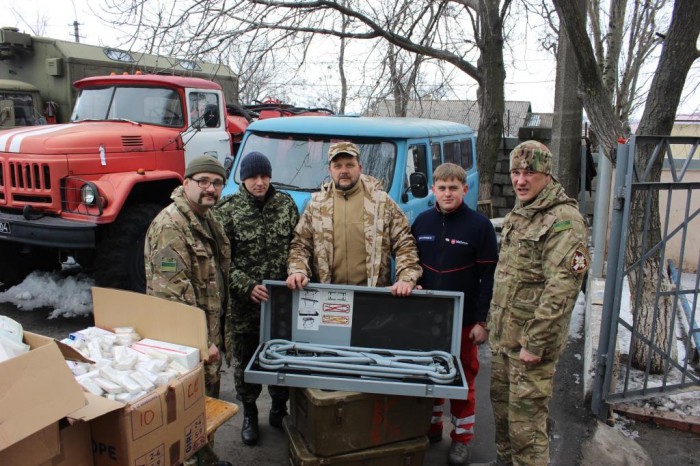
point(460, 153)
point(416, 161)
point(467, 158)
point(452, 153)
point(300, 162)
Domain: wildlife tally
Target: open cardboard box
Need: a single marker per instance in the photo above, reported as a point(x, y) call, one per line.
point(36, 391)
point(167, 425)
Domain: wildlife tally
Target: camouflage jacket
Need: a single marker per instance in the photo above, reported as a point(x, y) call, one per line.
point(540, 269)
point(387, 234)
point(260, 245)
point(180, 264)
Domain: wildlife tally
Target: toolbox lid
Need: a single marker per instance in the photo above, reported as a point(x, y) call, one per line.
point(366, 319)
point(361, 316)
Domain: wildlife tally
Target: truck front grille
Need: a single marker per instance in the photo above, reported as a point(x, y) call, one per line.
point(28, 182)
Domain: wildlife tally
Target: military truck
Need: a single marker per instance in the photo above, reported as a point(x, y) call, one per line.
point(49, 67)
point(90, 188)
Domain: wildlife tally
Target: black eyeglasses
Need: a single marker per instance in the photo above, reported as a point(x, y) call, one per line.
point(204, 183)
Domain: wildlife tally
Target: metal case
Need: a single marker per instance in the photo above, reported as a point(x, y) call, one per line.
point(361, 318)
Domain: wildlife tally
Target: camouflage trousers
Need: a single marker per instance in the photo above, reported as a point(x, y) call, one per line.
point(244, 346)
point(520, 397)
point(212, 377)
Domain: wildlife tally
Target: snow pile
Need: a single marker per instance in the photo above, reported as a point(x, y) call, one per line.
point(69, 295)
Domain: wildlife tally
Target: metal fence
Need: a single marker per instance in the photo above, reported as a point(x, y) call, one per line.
point(649, 328)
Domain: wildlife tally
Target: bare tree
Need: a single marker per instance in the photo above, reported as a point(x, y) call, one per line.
point(623, 38)
point(678, 53)
point(458, 32)
point(36, 26)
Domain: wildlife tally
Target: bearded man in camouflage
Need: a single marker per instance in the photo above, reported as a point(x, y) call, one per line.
point(350, 230)
point(259, 221)
point(540, 270)
point(187, 256)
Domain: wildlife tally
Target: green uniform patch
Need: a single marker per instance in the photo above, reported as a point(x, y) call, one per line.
point(561, 226)
point(168, 264)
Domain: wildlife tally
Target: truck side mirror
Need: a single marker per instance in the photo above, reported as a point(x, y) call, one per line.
point(418, 185)
point(211, 116)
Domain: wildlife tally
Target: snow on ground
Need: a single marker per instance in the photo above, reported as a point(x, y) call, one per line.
point(70, 296)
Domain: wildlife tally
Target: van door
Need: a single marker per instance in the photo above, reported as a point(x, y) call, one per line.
point(206, 126)
point(416, 161)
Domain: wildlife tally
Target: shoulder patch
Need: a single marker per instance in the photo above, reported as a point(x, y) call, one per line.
point(168, 264)
point(580, 260)
point(561, 226)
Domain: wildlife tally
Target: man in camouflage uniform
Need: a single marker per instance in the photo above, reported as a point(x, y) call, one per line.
point(542, 262)
point(187, 255)
point(350, 230)
point(259, 221)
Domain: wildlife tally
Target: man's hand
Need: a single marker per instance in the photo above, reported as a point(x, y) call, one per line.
point(297, 280)
point(528, 358)
point(259, 294)
point(401, 288)
point(478, 334)
point(214, 355)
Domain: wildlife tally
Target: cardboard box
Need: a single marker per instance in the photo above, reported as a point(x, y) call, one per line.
point(167, 425)
point(76, 448)
point(336, 422)
point(36, 391)
point(408, 452)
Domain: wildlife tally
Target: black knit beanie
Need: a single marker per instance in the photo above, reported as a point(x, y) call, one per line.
point(205, 163)
point(255, 163)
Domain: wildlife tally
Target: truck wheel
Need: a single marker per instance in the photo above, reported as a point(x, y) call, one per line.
point(11, 272)
point(15, 264)
point(119, 258)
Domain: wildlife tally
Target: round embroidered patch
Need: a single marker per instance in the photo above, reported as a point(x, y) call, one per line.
point(580, 260)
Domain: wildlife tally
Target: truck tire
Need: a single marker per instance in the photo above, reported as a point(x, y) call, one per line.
point(11, 271)
point(15, 264)
point(119, 258)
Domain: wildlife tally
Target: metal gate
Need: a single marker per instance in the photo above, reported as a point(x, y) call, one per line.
point(645, 348)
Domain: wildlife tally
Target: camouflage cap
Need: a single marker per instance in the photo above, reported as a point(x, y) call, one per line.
point(343, 147)
point(531, 155)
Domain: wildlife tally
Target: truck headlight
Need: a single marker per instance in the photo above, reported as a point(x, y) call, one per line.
point(88, 193)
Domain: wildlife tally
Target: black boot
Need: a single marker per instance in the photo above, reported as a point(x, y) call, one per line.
point(249, 431)
point(277, 412)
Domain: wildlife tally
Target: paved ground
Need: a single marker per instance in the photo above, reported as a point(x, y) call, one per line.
point(577, 438)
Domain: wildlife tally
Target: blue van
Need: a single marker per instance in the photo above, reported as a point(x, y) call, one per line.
point(401, 152)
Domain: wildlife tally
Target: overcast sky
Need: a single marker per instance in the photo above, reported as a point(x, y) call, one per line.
point(530, 78)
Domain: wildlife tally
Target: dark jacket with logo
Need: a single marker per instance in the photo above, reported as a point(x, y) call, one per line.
point(458, 252)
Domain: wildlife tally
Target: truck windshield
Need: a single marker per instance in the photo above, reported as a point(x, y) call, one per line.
point(23, 106)
point(300, 162)
point(150, 105)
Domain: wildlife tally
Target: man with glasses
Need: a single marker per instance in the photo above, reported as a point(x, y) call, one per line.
point(187, 258)
point(259, 221)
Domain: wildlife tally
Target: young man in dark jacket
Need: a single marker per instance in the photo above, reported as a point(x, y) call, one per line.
point(458, 252)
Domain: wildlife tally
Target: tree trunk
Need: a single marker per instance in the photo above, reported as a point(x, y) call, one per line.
point(568, 112)
point(490, 94)
point(596, 99)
